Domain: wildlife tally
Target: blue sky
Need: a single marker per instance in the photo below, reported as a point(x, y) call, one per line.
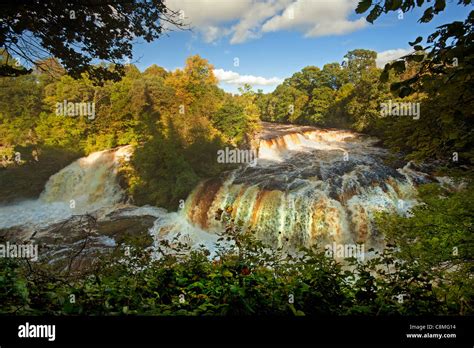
point(273, 39)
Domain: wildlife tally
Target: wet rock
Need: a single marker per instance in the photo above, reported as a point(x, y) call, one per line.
point(77, 243)
point(127, 227)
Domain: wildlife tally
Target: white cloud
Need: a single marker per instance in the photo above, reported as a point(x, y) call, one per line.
point(317, 18)
point(205, 12)
point(233, 78)
point(387, 56)
point(205, 16)
point(250, 24)
point(336, 27)
point(243, 20)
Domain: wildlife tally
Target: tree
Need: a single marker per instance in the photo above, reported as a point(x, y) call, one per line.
point(287, 104)
point(239, 116)
point(162, 176)
point(445, 128)
point(248, 99)
point(155, 70)
point(78, 33)
point(333, 76)
point(363, 107)
point(437, 237)
point(306, 80)
point(262, 101)
point(230, 119)
point(450, 47)
point(358, 61)
point(322, 99)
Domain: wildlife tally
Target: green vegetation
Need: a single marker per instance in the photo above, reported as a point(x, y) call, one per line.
point(439, 236)
point(422, 276)
point(177, 121)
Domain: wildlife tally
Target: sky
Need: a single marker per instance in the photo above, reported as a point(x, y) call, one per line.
point(262, 42)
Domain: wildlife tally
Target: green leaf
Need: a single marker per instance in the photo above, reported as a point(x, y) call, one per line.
point(393, 4)
point(227, 273)
point(418, 40)
point(395, 86)
point(427, 15)
point(296, 313)
point(405, 91)
point(374, 14)
point(384, 75)
point(363, 6)
point(196, 285)
point(418, 57)
point(399, 66)
point(439, 5)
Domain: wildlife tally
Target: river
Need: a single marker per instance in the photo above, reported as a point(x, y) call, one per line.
point(309, 186)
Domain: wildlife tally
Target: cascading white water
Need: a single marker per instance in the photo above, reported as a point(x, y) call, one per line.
point(90, 181)
point(309, 186)
point(84, 186)
point(89, 185)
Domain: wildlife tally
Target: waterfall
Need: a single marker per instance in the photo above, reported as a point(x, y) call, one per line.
point(89, 185)
point(90, 181)
point(310, 186)
point(86, 185)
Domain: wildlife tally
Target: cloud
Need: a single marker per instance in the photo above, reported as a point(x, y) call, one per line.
point(205, 16)
point(233, 78)
point(337, 27)
point(245, 20)
point(387, 56)
point(316, 18)
point(250, 24)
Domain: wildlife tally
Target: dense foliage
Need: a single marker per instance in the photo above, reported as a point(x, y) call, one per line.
point(176, 120)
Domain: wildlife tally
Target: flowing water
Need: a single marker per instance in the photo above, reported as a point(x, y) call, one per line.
point(86, 185)
point(309, 186)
